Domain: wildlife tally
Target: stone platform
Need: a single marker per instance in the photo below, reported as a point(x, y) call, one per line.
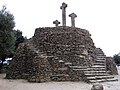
point(59, 54)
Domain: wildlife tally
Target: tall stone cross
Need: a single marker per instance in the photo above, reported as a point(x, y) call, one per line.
point(63, 7)
point(73, 16)
point(56, 22)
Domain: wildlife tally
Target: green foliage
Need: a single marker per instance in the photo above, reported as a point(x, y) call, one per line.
point(117, 59)
point(7, 37)
point(19, 38)
point(6, 20)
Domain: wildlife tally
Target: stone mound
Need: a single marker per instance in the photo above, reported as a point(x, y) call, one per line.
point(38, 58)
point(55, 53)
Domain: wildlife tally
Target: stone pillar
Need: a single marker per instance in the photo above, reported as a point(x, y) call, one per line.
point(63, 7)
point(56, 22)
point(73, 16)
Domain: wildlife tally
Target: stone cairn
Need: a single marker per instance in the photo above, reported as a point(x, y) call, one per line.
point(59, 53)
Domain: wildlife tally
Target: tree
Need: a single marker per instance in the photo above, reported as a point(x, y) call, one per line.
point(7, 37)
point(117, 59)
point(19, 38)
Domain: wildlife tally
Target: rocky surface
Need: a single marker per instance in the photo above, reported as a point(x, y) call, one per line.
point(29, 64)
point(97, 87)
point(65, 43)
point(111, 66)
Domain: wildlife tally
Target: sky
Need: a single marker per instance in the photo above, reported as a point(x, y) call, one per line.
point(100, 17)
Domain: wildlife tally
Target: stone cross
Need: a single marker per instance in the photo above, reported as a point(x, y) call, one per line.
point(56, 22)
point(63, 7)
point(73, 16)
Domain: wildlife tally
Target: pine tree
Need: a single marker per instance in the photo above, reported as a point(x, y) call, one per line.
point(7, 37)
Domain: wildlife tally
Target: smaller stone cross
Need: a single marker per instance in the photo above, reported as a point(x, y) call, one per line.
point(56, 22)
point(73, 16)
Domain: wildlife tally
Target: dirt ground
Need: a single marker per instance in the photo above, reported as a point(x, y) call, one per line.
point(6, 84)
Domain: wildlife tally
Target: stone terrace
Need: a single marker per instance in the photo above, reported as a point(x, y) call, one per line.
point(59, 54)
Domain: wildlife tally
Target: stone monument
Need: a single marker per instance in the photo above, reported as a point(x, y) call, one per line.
point(60, 54)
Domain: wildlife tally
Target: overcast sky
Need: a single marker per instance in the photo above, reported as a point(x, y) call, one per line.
point(100, 17)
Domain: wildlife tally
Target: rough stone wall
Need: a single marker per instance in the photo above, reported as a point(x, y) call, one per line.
point(111, 66)
point(65, 43)
point(40, 57)
point(51, 52)
point(16, 70)
point(29, 64)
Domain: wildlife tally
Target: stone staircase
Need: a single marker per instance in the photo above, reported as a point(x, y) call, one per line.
point(94, 74)
point(71, 73)
point(98, 72)
point(61, 75)
point(68, 72)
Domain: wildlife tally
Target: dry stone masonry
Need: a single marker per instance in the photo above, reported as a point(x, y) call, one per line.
point(111, 66)
point(61, 53)
point(99, 72)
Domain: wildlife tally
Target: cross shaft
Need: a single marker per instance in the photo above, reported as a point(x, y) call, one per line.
point(63, 7)
point(73, 16)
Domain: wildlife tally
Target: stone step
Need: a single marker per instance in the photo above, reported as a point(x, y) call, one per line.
point(102, 64)
point(103, 80)
point(100, 58)
point(95, 72)
point(101, 61)
point(78, 67)
point(99, 77)
point(97, 66)
point(68, 63)
point(100, 54)
point(96, 69)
